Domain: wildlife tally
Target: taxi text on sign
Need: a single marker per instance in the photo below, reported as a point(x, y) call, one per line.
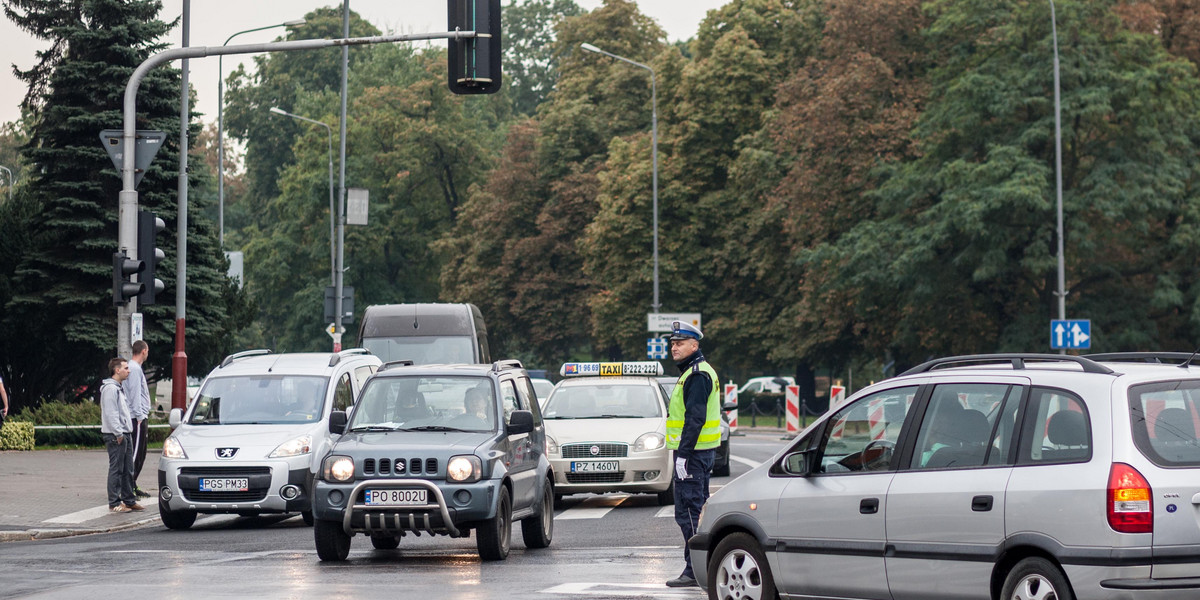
point(663, 321)
point(1067, 333)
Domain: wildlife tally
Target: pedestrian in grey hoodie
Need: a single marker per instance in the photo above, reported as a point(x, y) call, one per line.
point(115, 427)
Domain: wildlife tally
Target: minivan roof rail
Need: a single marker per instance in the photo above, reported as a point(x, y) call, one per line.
point(394, 363)
point(1016, 360)
point(338, 356)
point(232, 357)
point(1146, 357)
point(508, 363)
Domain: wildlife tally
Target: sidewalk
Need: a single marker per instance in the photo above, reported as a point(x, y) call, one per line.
point(47, 494)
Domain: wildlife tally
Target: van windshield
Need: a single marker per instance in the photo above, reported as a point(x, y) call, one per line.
point(423, 350)
point(260, 399)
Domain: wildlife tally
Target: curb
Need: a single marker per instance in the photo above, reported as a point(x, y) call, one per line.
point(50, 534)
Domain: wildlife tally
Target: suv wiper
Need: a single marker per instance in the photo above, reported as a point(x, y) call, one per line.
point(372, 428)
point(431, 428)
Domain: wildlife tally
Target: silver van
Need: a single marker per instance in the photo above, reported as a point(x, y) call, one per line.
point(433, 333)
point(252, 439)
point(1008, 476)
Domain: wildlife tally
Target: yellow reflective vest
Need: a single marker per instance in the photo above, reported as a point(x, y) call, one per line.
point(710, 434)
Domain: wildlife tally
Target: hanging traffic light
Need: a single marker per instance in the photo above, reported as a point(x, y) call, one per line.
point(124, 287)
point(148, 227)
point(475, 62)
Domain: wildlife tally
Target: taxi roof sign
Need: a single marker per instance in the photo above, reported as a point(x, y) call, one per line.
point(611, 369)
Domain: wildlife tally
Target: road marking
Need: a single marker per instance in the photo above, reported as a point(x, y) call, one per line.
point(744, 461)
point(592, 508)
point(88, 514)
point(666, 511)
point(655, 590)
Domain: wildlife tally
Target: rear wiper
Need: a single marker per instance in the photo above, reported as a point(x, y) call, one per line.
point(431, 428)
point(372, 428)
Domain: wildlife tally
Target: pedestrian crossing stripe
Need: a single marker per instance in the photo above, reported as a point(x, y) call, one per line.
point(620, 590)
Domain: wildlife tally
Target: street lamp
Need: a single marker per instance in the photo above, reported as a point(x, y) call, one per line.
point(221, 126)
point(653, 152)
point(332, 209)
point(12, 182)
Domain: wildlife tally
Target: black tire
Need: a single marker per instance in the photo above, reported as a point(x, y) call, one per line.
point(559, 503)
point(493, 536)
point(538, 530)
point(307, 515)
point(176, 519)
point(667, 496)
point(738, 570)
point(722, 470)
point(385, 542)
point(1036, 577)
point(332, 542)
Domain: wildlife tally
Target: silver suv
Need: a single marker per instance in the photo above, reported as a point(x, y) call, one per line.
point(1010, 476)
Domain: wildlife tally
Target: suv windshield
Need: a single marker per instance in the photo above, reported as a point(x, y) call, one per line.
point(423, 350)
point(260, 399)
point(603, 401)
point(1165, 418)
point(414, 403)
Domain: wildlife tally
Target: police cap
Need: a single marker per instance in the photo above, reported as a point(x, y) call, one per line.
point(685, 331)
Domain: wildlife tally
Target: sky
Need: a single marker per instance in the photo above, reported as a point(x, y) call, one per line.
point(212, 21)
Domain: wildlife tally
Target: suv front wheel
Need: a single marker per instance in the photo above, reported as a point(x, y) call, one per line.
point(492, 537)
point(538, 530)
point(332, 541)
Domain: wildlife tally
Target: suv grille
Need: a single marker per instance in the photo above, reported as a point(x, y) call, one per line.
point(585, 451)
point(400, 467)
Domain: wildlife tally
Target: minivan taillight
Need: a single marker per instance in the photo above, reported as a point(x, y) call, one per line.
point(1130, 509)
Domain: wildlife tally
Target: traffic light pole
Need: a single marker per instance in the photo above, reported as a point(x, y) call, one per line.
point(128, 198)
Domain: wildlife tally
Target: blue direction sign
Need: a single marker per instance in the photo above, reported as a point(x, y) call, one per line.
point(1071, 334)
point(656, 348)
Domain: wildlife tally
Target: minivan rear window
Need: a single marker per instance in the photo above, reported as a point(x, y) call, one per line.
point(1165, 418)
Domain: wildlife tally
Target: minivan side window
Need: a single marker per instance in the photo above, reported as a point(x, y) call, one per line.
point(957, 429)
point(1055, 429)
point(362, 373)
point(343, 395)
point(862, 436)
point(1165, 419)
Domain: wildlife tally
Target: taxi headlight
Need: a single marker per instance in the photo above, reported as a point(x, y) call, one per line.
point(551, 446)
point(173, 449)
point(295, 447)
point(464, 469)
point(649, 441)
point(339, 468)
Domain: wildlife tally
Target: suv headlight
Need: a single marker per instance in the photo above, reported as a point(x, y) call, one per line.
point(464, 469)
point(551, 446)
point(649, 441)
point(338, 468)
point(173, 449)
point(295, 447)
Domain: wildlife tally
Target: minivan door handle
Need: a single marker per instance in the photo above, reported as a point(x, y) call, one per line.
point(868, 506)
point(981, 503)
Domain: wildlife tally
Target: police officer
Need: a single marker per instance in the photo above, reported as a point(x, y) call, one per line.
point(693, 431)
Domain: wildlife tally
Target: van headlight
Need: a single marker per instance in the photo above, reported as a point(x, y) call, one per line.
point(173, 449)
point(464, 469)
point(294, 447)
point(648, 441)
point(338, 468)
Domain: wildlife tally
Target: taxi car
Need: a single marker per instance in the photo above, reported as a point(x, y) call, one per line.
point(251, 440)
point(1006, 476)
point(437, 449)
point(606, 430)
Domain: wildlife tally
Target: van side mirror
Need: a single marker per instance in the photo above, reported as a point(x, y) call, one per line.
point(520, 421)
point(337, 422)
point(175, 418)
point(798, 463)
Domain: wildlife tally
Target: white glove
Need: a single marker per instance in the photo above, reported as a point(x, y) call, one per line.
point(681, 468)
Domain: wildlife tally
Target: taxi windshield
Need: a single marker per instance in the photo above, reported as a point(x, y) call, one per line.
point(260, 399)
point(416, 403)
point(609, 400)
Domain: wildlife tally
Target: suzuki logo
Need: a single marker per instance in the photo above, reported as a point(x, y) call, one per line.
point(226, 452)
point(595, 450)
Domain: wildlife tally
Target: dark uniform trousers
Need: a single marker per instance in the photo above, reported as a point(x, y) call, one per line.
point(690, 496)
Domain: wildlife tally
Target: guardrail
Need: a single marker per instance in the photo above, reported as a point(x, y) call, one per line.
point(770, 406)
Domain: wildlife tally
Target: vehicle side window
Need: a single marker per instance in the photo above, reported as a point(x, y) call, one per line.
point(362, 373)
point(1055, 429)
point(343, 395)
point(1165, 417)
point(526, 393)
point(862, 436)
point(957, 429)
point(508, 399)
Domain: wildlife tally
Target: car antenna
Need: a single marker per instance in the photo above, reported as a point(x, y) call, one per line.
point(1188, 362)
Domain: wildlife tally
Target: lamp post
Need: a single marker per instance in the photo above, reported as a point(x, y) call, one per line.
point(1062, 269)
point(332, 209)
point(653, 151)
point(12, 182)
point(221, 126)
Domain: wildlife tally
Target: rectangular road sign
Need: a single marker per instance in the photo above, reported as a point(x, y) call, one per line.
point(1071, 334)
point(662, 321)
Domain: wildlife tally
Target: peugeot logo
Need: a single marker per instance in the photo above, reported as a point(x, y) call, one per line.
point(226, 452)
point(595, 450)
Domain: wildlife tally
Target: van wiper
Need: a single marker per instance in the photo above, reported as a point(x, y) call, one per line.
point(372, 428)
point(431, 428)
point(611, 417)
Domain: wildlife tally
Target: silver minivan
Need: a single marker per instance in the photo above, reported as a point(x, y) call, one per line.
point(252, 439)
point(1015, 476)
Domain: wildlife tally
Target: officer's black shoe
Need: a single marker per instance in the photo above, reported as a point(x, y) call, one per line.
point(140, 494)
point(682, 581)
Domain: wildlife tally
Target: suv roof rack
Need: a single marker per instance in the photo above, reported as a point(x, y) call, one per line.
point(1148, 357)
point(508, 363)
point(232, 357)
point(338, 356)
point(1016, 360)
point(394, 363)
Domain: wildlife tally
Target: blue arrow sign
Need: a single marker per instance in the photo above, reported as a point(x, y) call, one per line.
point(1071, 334)
point(656, 348)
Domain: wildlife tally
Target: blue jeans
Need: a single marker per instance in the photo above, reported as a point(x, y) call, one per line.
point(690, 496)
point(120, 469)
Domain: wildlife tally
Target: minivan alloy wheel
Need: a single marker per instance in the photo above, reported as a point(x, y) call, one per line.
point(1036, 578)
point(740, 571)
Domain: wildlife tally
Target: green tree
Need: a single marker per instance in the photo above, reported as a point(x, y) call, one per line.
point(530, 66)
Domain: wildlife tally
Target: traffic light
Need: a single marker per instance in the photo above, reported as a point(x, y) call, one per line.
point(475, 63)
point(148, 227)
point(124, 287)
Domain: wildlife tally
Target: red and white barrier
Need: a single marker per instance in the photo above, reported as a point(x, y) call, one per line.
point(837, 395)
point(875, 418)
point(793, 410)
point(731, 396)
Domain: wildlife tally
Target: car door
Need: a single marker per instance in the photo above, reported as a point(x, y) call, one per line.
point(831, 531)
point(945, 507)
point(522, 470)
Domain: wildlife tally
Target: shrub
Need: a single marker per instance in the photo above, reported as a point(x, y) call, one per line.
point(16, 435)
